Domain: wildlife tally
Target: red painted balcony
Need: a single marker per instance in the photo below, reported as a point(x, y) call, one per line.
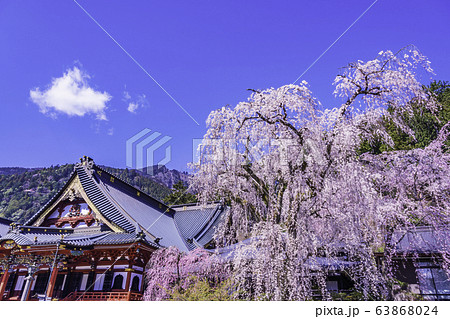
point(103, 296)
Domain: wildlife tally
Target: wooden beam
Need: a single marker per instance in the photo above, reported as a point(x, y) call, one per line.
point(51, 284)
point(3, 283)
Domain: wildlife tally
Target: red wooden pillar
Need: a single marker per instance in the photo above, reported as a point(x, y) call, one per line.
point(3, 283)
point(51, 284)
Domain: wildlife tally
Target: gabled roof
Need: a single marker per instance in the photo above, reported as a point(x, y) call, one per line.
point(154, 217)
point(89, 178)
point(33, 218)
point(4, 226)
point(197, 223)
point(129, 210)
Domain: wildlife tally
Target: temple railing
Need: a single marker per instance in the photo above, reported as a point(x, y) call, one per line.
point(103, 296)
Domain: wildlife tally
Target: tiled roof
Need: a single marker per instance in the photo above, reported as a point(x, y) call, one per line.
point(41, 236)
point(4, 226)
point(83, 240)
point(207, 234)
point(147, 213)
point(132, 210)
point(191, 220)
point(28, 236)
point(197, 224)
point(423, 239)
point(101, 202)
point(116, 238)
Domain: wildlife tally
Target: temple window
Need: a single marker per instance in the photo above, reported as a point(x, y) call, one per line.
point(118, 282)
point(433, 281)
point(107, 283)
point(10, 283)
point(41, 282)
point(70, 215)
point(135, 284)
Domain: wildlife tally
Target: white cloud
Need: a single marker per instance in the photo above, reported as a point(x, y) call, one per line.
point(71, 95)
point(126, 96)
point(111, 131)
point(133, 106)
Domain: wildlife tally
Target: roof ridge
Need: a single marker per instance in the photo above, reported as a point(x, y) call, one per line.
point(129, 185)
point(48, 230)
point(122, 210)
point(6, 220)
point(200, 204)
point(89, 177)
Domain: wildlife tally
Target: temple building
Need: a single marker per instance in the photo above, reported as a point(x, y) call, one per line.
point(93, 239)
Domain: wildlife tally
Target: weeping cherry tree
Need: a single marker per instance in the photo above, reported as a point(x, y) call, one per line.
point(299, 193)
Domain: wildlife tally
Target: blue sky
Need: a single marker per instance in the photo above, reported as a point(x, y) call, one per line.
point(67, 90)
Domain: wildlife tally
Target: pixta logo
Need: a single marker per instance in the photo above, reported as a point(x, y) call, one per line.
point(142, 149)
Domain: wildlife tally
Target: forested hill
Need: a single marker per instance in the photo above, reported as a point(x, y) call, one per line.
point(15, 170)
point(24, 191)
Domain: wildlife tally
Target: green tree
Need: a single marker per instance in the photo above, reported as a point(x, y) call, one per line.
point(201, 289)
point(422, 122)
point(180, 195)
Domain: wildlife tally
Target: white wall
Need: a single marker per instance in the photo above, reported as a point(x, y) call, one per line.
point(99, 279)
point(84, 282)
point(19, 282)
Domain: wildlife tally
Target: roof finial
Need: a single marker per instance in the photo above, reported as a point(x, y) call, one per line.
point(137, 228)
point(88, 163)
point(85, 159)
point(139, 232)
